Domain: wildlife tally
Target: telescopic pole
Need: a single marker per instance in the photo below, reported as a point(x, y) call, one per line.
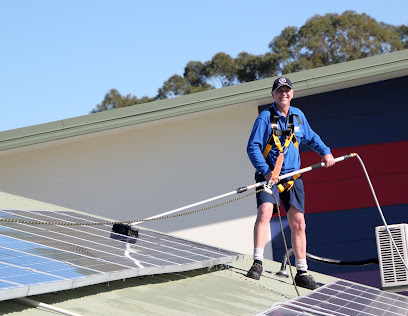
point(249, 187)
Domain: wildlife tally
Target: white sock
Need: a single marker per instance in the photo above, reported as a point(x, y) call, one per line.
point(301, 264)
point(258, 254)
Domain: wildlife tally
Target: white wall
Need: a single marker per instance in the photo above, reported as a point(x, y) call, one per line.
point(143, 170)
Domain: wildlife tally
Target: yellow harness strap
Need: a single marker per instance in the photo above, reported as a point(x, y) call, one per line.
point(288, 184)
point(268, 148)
point(278, 144)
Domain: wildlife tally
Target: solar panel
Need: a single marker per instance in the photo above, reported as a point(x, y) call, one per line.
point(37, 259)
point(343, 298)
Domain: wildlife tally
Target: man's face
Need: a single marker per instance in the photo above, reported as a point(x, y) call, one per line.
point(283, 96)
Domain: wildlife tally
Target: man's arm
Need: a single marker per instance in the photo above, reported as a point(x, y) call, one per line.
point(255, 146)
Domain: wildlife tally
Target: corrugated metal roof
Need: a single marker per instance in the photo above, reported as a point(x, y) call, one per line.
point(307, 82)
point(213, 291)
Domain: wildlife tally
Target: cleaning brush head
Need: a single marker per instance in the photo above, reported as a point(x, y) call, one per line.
point(125, 229)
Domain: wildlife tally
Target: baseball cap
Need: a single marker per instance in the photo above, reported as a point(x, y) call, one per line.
point(282, 81)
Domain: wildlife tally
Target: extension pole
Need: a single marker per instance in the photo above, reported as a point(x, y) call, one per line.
point(249, 187)
point(188, 206)
point(300, 171)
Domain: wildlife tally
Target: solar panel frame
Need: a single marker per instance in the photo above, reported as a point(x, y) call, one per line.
point(37, 259)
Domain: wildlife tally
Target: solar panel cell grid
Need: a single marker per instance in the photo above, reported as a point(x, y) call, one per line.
point(346, 299)
point(65, 257)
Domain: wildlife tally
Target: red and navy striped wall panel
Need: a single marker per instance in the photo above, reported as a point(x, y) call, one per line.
point(344, 186)
point(341, 214)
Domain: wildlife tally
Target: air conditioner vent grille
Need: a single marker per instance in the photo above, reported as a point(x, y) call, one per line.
point(393, 270)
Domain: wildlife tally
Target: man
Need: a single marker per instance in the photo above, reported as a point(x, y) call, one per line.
point(282, 119)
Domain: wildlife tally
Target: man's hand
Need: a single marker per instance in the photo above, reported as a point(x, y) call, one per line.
point(328, 160)
point(268, 177)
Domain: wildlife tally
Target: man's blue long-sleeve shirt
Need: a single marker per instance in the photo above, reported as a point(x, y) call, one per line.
point(262, 131)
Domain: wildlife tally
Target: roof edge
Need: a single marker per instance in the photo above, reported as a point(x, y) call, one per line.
point(395, 64)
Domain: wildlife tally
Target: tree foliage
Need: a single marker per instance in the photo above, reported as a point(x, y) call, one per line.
point(403, 35)
point(222, 68)
point(321, 41)
point(332, 39)
point(194, 80)
point(114, 100)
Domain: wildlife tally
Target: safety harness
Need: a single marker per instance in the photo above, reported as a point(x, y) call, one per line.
point(274, 140)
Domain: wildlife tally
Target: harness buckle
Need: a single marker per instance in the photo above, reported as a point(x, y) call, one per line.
point(267, 188)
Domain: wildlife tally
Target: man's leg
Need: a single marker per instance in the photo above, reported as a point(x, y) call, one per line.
point(297, 226)
point(261, 228)
point(261, 231)
point(298, 232)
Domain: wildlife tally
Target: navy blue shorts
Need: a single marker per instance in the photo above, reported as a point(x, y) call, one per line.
point(295, 196)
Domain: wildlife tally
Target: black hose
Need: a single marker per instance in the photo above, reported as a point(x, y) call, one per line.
point(283, 272)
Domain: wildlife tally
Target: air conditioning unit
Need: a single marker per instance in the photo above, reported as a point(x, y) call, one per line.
point(394, 275)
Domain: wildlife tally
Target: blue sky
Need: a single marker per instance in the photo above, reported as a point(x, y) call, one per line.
point(58, 58)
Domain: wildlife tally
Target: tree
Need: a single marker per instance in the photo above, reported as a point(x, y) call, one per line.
point(284, 46)
point(255, 67)
point(222, 69)
point(333, 38)
point(194, 80)
point(268, 66)
point(195, 72)
point(247, 67)
point(403, 35)
point(114, 100)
